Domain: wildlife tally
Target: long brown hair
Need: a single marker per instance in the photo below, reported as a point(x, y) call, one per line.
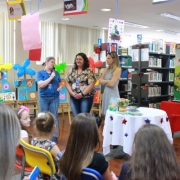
point(83, 139)
point(116, 63)
point(153, 157)
point(9, 137)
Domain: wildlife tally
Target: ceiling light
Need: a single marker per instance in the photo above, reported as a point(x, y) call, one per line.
point(135, 25)
point(105, 9)
point(170, 16)
point(167, 31)
point(65, 19)
point(105, 28)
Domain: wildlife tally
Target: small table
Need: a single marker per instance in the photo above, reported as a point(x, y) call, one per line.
point(120, 128)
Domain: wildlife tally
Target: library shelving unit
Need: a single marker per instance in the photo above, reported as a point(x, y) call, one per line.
point(124, 85)
point(153, 80)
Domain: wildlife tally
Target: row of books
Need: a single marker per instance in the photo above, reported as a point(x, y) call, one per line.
point(154, 91)
point(154, 76)
point(127, 87)
point(171, 90)
point(126, 74)
point(126, 61)
point(155, 62)
point(171, 76)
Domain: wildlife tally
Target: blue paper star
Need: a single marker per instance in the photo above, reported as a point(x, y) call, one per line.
point(126, 134)
point(147, 121)
point(167, 119)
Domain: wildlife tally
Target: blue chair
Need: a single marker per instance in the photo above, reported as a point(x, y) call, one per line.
point(90, 174)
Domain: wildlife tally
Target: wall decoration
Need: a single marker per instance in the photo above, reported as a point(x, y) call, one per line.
point(75, 7)
point(15, 9)
point(63, 94)
point(116, 30)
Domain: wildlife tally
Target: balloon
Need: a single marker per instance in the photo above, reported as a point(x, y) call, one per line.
point(26, 63)
point(98, 64)
point(30, 71)
point(91, 61)
point(23, 69)
point(20, 72)
point(6, 66)
point(60, 67)
point(16, 66)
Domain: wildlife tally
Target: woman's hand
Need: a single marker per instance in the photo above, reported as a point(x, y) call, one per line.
point(59, 88)
point(113, 176)
point(78, 96)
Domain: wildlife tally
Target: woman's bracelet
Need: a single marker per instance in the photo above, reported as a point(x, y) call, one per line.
point(82, 93)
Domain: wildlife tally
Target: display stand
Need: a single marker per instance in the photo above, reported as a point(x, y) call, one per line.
point(10, 103)
point(97, 98)
point(31, 104)
point(65, 106)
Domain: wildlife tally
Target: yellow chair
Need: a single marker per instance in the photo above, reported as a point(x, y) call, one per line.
point(40, 157)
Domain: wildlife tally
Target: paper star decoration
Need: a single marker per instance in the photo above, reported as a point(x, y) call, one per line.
point(167, 119)
point(111, 118)
point(124, 121)
point(161, 120)
point(126, 134)
point(110, 132)
point(147, 121)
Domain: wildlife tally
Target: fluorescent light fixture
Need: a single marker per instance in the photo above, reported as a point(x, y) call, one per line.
point(167, 15)
point(168, 32)
point(105, 9)
point(65, 19)
point(135, 25)
point(105, 28)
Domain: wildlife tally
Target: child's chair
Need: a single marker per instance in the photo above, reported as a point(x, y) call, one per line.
point(36, 156)
point(90, 174)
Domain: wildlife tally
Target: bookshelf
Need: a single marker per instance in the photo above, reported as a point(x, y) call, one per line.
point(125, 84)
point(154, 79)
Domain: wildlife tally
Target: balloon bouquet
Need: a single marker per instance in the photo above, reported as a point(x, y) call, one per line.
point(60, 67)
point(23, 70)
point(93, 65)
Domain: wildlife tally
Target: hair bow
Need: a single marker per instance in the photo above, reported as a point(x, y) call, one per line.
point(22, 108)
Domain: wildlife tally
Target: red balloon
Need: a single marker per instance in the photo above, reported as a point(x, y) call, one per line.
point(91, 61)
point(92, 67)
point(98, 64)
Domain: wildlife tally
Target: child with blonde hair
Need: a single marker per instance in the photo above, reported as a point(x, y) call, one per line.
point(45, 127)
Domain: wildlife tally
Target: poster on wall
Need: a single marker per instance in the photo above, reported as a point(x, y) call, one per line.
point(177, 74)
point(161, 1)
point(115, 31)
point(15, 9)
point(75, 7)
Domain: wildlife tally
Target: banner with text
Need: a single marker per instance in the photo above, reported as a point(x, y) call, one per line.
point(75, 7)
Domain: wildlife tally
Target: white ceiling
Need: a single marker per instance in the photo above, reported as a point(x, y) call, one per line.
point(135, 11)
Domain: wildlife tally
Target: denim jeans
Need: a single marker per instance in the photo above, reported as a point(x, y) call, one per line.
point(50, 104)
point(82, 105)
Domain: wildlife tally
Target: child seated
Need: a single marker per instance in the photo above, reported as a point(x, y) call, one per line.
point(45, 127)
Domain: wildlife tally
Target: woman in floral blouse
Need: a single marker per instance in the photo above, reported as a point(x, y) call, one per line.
point(80, 84)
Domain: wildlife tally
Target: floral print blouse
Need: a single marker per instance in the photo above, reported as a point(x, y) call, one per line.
point(85, 78)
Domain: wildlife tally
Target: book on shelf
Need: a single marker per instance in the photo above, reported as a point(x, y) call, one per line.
point(129, 75)
point(124, 74)
point(155, 62)
point(171, 76)
point(171, 63)
point(154, 76)
point(154, 105)
point(123, 51)
point(125, 61)
point(154, 91)
point(171, 90)
point(129, 85)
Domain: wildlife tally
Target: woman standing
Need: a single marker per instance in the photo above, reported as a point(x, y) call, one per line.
point(110, 78)
point(80, 84)
point(49, 83)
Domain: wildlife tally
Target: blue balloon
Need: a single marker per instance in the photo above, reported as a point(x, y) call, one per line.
point(26, 63)
point(20, 72)
point(30, 72)
point(16, 66)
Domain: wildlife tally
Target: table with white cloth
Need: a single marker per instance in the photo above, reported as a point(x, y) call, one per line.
point(120, 128)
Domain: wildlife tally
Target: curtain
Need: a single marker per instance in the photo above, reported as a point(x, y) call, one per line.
point(7, 38)
point(65, 41)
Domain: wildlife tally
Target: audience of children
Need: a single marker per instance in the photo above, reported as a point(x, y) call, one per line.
point(82, 141)
point(45, 127)
point(153, 157)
